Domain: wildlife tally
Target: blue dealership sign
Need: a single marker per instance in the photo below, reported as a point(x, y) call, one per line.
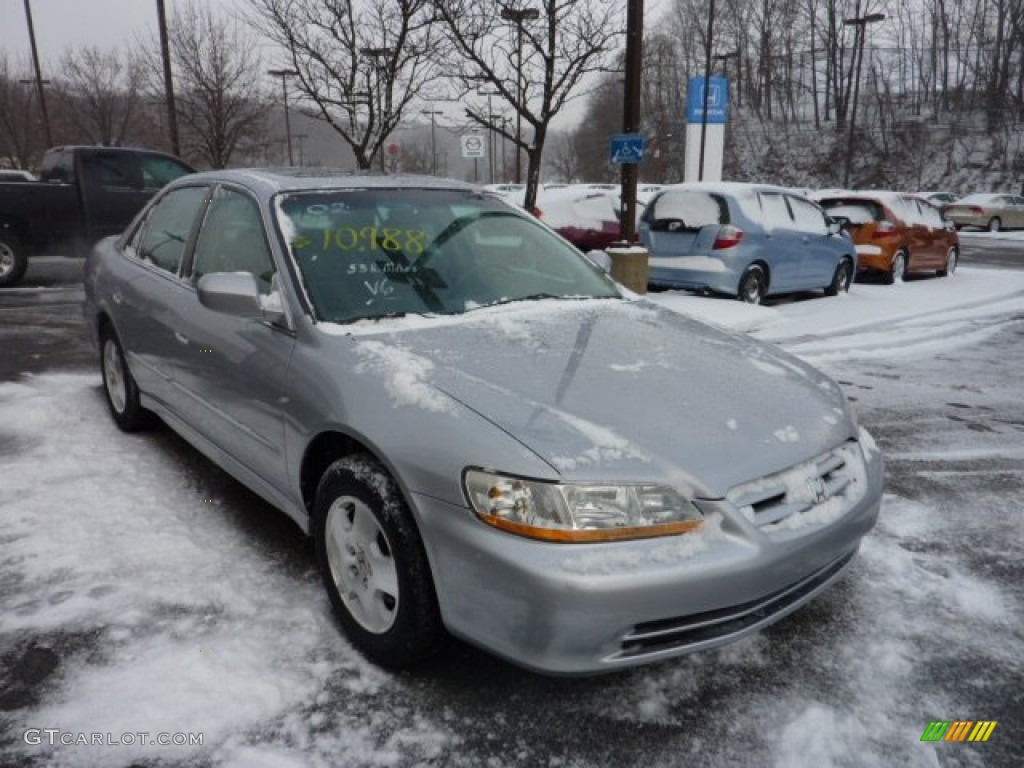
point(626, 148)
point(718, 100)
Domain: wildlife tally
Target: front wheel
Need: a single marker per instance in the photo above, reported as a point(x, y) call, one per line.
point(13, 260)
point(119, 387)
point(841, 279)
point(373, 564)
point(995, 224)
point(952, 258)
point(753, 285)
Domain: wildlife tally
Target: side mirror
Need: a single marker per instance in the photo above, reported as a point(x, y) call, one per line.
point(601, 259)
point(233, 293)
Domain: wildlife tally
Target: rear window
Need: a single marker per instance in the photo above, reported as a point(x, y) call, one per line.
point(686, 209)
point(854, 211)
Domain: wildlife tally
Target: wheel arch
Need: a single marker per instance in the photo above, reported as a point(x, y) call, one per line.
point(759, 262)
point(327, 447)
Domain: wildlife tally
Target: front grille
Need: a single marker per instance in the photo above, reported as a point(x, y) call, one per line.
point(680, 633)
point(815, 492)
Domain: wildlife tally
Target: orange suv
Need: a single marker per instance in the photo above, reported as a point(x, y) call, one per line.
point(896, 234)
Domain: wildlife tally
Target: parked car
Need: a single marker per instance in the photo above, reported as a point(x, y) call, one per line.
point(586, 217)
point(939, 199)
point(743, 240)
point(437, 388)
point(84, 194)
point(988, 211)
point(896, 234)
point(16, 174)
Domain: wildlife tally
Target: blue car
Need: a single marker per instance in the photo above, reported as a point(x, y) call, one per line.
point(744, 240)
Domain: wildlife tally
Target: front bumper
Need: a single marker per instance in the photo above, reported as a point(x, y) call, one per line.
point(585, 609)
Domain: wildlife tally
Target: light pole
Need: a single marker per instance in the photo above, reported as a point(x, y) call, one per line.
point(518, 16)
point(490, 131)
point(284, 74)
point(377, 54)
point(433, 139)
point(860, 23)
point(39, 75)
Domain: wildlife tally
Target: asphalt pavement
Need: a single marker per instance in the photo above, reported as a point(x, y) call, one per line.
point(870, 652)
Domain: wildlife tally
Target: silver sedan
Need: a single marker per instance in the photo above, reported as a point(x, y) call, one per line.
point(481, 432)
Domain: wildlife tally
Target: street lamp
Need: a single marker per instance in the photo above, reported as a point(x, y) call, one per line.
point(860, 23)
point(433, 140)
point(284, 74)
point(517, 16)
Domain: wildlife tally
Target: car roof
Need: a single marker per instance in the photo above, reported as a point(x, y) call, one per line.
point(270, 181)
point(727, 187)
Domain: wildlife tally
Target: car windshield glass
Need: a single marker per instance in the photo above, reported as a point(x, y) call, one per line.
point(369, 253)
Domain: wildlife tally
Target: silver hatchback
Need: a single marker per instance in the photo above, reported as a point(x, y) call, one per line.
point(744, 240)
point(481, 433)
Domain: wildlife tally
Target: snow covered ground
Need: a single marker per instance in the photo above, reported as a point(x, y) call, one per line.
point(152, 594)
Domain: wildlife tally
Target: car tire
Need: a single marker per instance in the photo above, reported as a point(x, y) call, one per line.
point(373, 564)
point(841, 279)
point(898, 271)
point(753, 285)
point(995, 224)
point(952, 258)
point(119, 387)
point(13, 260)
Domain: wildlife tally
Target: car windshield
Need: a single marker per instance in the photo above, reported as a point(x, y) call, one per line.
point(854, 211)
point(371, 253)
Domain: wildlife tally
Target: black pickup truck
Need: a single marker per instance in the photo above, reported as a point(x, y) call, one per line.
point(83, 195)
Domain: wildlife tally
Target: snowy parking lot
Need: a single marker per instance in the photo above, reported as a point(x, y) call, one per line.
point(143, 591)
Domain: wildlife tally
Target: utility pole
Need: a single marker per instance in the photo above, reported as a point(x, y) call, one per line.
point(860, 23)
point(631, 113)
point(490, 131)
point(376, 54)
point(39, 75)
point(165, 54)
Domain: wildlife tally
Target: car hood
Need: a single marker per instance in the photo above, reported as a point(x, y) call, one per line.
point(613, 390)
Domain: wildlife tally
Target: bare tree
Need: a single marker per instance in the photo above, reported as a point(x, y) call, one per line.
point(218, 84)
point(101, 93)
point(360, 65)
point(566, 41)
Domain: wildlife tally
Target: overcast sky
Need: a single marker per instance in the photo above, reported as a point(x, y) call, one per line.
point(60, 24)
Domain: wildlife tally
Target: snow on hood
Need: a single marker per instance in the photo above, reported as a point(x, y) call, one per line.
point(626, 391)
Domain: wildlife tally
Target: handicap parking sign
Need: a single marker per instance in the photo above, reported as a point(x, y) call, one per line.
point(627, 148)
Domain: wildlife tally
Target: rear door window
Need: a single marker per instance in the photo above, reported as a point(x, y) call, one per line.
point(169, 226)
point(113, 170)
point(809, 217)
point(774, 211)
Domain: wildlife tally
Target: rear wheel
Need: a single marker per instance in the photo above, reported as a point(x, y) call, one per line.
point(898, 272)
point(995, 224)
point(13, 260)
point(841, 279)
point(122, 393)
point(952, 257)
point(373, 564)
point(753, 285)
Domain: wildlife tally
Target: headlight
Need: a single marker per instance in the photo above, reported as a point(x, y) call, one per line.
point(577, 512)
